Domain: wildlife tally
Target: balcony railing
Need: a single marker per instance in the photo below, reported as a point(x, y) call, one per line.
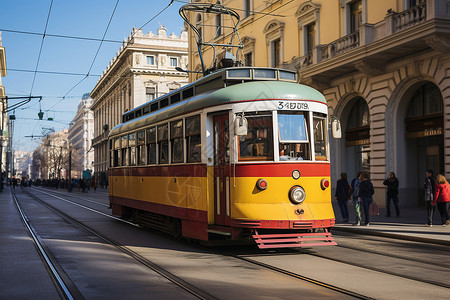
point(410, 17)
point(368, 33)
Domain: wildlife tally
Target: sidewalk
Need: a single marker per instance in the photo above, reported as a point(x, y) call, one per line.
point(409, 226)
point(22, 271)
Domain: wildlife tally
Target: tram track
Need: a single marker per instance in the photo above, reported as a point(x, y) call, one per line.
point(164, 273)
point(193, 290)
point(366, 251)
point(273, 268)
point(65, 288)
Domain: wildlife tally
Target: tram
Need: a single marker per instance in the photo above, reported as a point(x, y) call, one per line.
point(241, 154)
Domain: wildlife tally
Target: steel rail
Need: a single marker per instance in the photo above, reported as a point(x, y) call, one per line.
point(60, 282)
point(200, 294)
point(301, 277)
point(406, 276)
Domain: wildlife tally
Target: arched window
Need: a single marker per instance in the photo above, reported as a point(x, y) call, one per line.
point(427, 100)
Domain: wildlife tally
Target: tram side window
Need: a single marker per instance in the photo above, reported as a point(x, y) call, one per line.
point(111, 153)
point(193, 139)
point(124, 146)
point(176, 140)
point(258, 143)
point(117, 152)
point(141, 147)
point(132, 147)
point(293, 134)
point(163, 144)
point(151, 145)
point(320, 142)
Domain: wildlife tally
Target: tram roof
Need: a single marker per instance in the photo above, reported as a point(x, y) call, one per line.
point(247, 91)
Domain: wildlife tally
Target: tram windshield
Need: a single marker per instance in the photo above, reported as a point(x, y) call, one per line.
point(294, 140)
point(293, 136)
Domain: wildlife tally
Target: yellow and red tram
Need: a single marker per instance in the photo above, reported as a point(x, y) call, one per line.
point(240, 154)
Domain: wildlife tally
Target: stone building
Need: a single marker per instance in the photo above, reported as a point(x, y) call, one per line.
point(383, 66)
point(143, 69)
point(81, 133)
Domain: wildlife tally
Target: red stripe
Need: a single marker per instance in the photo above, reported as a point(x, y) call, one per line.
point(199, 170)
point(282, 170)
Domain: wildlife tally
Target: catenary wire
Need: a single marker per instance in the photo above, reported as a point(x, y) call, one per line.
point(40, 49)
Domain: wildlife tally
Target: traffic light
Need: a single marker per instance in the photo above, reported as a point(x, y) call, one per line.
point(40, 114)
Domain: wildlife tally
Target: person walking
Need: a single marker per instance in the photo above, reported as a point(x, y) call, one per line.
point(442, 198)
point(392, 193)
point(429, 186)
point(342, 193)
point(366, 192)
point(354, 187)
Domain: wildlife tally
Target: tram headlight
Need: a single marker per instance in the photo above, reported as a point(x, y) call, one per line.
point(297, 194)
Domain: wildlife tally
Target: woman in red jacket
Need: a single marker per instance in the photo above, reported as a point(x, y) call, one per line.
point(442, 198)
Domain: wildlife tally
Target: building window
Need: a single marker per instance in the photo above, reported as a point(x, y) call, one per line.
point(247, 8)
point(199, 26)
point(275, 53)
point(274, 32)
point(355, 16)
point(248, 59)
point(218, 20)
point(150, 93)
point(310, 38)
point(174, 62)
point(151, 60)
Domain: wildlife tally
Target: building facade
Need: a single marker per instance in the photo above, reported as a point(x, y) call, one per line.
point(383, 66)
point(143, 69)
point(81, 133)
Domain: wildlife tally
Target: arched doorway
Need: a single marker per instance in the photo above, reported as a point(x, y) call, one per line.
point(424, 137)
point(357, 137)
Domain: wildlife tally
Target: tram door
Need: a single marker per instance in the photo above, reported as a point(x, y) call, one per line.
point(222, 170)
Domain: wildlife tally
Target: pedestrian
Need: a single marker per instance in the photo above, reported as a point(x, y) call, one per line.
point(442, 198)
point(342, 193)
point(354, 187)
point(365, 195)
point(392, 194)
point(429, 186)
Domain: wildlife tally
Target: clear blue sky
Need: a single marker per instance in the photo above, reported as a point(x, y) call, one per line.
point(74, 18)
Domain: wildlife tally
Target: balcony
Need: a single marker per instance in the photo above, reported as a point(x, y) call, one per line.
point(423, 27)
point(100, 138)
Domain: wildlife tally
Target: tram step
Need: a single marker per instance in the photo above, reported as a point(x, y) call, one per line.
point(293, 240)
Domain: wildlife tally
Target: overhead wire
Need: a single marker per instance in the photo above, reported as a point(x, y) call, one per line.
point(40, 49)
point(95, 56)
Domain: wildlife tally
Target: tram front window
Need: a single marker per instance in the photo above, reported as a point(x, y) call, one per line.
point(258, 143)
point(320, 130)
point(293, 135)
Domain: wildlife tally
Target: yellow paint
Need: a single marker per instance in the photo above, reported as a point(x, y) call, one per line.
point(329, 16)
point(247, 202)
point(274, 204)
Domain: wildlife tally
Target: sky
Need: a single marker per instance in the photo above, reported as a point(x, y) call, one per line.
point(66, 67)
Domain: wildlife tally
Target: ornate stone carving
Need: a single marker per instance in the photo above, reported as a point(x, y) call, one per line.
point(370, 68)
point(439, 44)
